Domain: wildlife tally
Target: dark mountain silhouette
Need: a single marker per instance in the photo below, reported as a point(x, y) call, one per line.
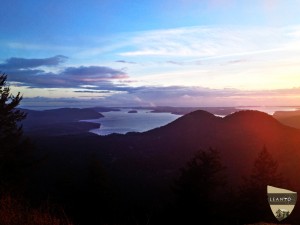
point(291, 118)
point(132, 111)
point(104, 109)
point(143, 165)
point(63, 128)
point(59, 121)
point(61, 115)
point(239, 137)
point(162, 151)
point(185, 110)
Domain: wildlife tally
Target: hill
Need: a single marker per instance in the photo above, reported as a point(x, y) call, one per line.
point(291, 118)
point(143, 166)
point(59, 121)
point(239, 137)
point(223, 111)
point(162, 151)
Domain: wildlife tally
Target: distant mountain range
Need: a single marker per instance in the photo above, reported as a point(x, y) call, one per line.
point(239, 137)
point(142, 167)
point(223, 111)
point(155, 157)
point(60, 121)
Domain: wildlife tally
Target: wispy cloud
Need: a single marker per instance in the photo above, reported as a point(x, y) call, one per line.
point(93, 91)
point(30, 46)
point(22, 63)
point(124, 61)
point(210, 42)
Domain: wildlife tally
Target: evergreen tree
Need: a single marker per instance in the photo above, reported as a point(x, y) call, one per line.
point(265, 171)
point(253, 192)
point(13, 147)
point(99, 193)
point(199, 188)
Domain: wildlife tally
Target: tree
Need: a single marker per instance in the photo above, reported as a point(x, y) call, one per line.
point(13, 146)
point(253, 194)
point(200, 187)
point(265, 171)
point(99, 192)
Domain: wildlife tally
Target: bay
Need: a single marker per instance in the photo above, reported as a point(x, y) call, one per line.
point(122, 122)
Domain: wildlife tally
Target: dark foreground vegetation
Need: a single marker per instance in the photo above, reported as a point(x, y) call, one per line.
point(200, 169)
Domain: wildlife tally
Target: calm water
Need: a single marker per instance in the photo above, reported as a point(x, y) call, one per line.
point(269, 109)
point(122, 122)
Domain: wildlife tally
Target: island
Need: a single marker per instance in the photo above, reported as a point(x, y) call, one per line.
point(133, 111)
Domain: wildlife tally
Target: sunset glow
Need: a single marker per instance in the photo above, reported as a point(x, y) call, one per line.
point(183, 53)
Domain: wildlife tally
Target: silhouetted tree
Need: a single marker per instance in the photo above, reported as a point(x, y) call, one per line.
point(13, 146)
point(265, 171)
point(98, 192)
point(88, 197)
point(253, 192)
point(199, 188)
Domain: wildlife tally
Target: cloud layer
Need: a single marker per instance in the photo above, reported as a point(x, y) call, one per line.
point(184, 66)
point(211, 41)
point(32, 73)
point(173, 96)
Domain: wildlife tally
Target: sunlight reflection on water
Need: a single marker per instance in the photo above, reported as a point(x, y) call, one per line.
point(269, 109)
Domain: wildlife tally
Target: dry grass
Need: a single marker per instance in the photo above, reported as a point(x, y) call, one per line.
point(15, 212)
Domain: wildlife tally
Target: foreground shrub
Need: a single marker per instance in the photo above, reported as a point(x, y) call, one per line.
point(14, 211)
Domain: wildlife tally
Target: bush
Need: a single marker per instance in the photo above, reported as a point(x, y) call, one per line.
point(14, 211)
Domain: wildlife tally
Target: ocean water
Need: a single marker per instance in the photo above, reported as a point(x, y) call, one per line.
point(122, 122)
point(269, 109)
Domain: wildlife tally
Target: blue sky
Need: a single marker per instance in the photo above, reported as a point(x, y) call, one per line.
point(141, 53)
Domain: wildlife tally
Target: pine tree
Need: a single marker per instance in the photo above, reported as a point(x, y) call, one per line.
point(200, 186)
point(13, 147)
point(253, 192)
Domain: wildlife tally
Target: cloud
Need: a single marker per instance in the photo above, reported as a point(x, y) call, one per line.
point(175, 62)
point(22, 63)
point(172, 96)
point(94, 91)
point(200, 96)
point(152, 92)
point(94, 73)
point(210, 42)
point(27, 72)
point(215, 57)
point(124, 61)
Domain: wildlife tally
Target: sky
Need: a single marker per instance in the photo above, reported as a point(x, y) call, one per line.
point(65, 53)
